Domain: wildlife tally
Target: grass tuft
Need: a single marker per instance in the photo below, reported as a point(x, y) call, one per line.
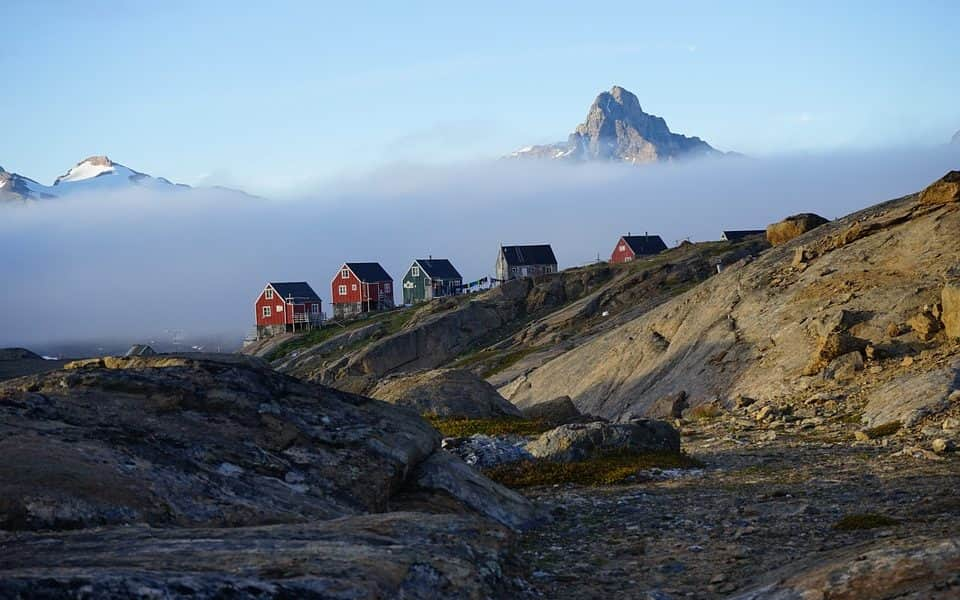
point(859, 521)
point(460, 427)
point(604, 469)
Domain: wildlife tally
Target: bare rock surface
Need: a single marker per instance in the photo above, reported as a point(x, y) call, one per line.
point(766, 328)
point(944, 190)
point(445, 393)
point(247, 482)
point(909, 398)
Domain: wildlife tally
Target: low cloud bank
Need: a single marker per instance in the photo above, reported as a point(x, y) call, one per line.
point(137, 265)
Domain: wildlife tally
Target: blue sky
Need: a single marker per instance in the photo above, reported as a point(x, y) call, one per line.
point(268, 96)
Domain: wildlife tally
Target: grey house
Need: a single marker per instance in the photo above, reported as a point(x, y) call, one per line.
point(525, 261)
point(429, 278)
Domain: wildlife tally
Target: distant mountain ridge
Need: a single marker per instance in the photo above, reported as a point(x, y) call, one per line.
point(617, 129)
point(956, 138)
point(92, 174)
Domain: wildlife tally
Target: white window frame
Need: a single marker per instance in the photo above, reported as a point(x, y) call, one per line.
point(345, 274)
point(386, 288)
point(279, 308)
point(353, 287)
point(315, 308)
point(415, 271)
point(268, 294)
point(267, 312)
point(342, 290)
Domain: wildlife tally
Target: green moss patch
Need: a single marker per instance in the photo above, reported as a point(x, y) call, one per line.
point(859, 521)
point(604, 469)
point(458, 427)
point(393, 320)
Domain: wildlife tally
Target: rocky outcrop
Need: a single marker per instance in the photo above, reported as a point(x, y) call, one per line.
point(943, 191)
point(574, 442)
point(445, 393)
point(793, 226)
point(917, 569)
point(617, 129)
point(297, 479)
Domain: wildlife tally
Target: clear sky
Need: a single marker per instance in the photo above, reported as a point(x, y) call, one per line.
point(268, 95)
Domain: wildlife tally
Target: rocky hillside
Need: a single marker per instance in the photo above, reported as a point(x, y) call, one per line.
point(505, 331)
point(800, 318)
point(222, 478)
point(617, 129)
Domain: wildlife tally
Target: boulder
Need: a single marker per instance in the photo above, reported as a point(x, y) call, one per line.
point(925, 325)
point(576, 441)
point(793, 226)
point(485, 451)
point(558, 411)
point(670, 406)
point(943, 191)
point(446, 393)
point(845, 367)
point(832, 346)
point(950, 308)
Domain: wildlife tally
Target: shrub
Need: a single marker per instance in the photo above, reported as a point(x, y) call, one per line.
point(603, 469)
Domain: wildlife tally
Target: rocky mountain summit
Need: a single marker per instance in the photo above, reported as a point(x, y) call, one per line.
point(617, 129)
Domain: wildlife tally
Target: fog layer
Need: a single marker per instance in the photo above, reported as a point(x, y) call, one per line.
point(132, 265)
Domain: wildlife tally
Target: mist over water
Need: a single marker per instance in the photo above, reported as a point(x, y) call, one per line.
point(138, 266)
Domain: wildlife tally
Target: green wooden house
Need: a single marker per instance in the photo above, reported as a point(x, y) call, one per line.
point(429, 278)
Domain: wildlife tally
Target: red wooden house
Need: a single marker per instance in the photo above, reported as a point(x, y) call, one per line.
point(287, 306)
point(359, 288)
point(630, 247)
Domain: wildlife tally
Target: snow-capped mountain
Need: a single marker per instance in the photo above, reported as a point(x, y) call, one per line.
point(617, 129)
point(101, 173)
point(17, 188)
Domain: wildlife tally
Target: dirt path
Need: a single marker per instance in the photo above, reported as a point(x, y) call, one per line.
point(757, 506)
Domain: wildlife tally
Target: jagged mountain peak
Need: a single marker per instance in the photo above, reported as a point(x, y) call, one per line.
point(617, 129)
point(16, 187)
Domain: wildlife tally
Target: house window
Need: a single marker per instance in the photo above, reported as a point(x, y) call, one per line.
point(623, 248)
point(415, 271)
point(386, 288)
point(345, 274)
point(266, 311)
point(343, 290)
point(315, 308)
point(353, 287)
point(269, 294)
point(279, 308)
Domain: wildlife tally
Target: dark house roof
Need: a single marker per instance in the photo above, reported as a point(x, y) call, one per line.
point(645, 244)
point(517, 256)
point(298, 290)
point(369, 272)
point(738, 234)
point(438, 268)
